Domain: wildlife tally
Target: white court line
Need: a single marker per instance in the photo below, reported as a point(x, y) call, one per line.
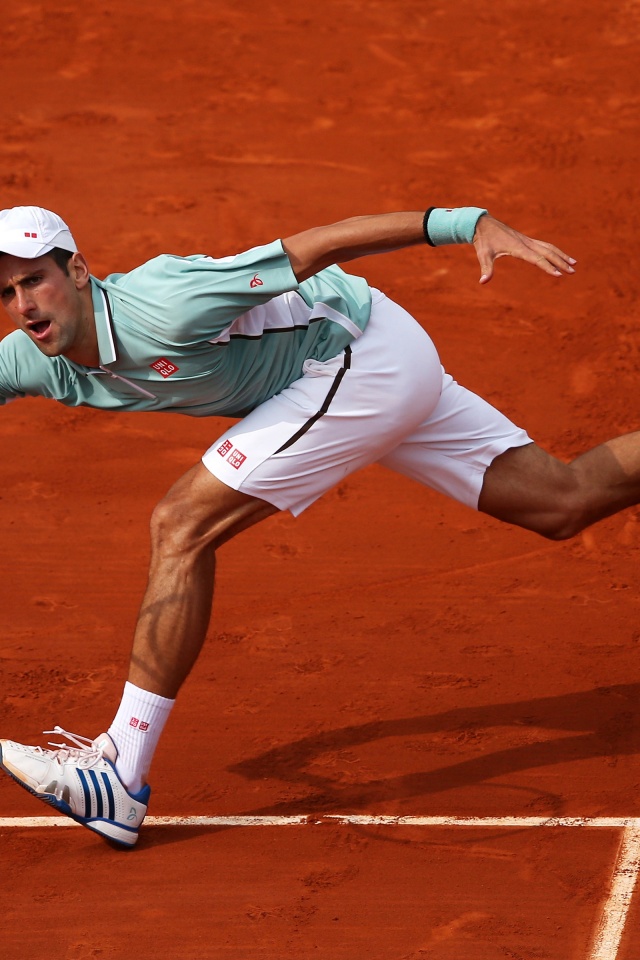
point(607, 940)
point(616, 908)
point(615, 822)
point(23, 822)
point(620, 823)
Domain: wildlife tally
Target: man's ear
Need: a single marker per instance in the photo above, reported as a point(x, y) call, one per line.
point(79, 270)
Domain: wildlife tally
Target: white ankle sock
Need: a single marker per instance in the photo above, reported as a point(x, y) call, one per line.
point(135, 732)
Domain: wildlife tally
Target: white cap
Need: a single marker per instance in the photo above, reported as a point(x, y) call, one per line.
point(32, 231)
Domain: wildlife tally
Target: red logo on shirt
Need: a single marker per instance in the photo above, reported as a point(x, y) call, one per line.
point(164, 367)
point(33, 235)
point(236, 459)
point(256, 282)
point(224, 448)
point(134, 722)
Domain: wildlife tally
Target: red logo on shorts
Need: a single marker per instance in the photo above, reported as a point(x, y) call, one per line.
point(164, 367)
point(224, 448)
point(256, 282)
point(134, 722)
point(236, 459)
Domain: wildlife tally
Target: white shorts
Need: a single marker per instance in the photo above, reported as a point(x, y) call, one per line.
point(384, 399)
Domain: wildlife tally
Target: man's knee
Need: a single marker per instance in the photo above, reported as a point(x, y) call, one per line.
point(564, 517)
point(172, 525)
point(200, 511)
point(527, 487)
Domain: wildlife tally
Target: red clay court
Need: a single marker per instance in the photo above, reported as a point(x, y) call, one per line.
point(414, 732)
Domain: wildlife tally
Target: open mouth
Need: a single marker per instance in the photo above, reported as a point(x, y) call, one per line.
point(40, 328)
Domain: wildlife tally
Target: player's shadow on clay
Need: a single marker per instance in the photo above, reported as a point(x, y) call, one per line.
point(605, 722)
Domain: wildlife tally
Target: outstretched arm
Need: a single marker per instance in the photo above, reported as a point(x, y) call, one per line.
point(313, 250)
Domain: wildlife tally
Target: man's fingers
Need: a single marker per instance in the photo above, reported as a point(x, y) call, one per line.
point(544, 263)
point(550, 259)
point(557, 252)
point(486, 267)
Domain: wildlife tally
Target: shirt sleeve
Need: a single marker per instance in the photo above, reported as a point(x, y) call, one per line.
point(194, 299)
point(9, 379)
point(25, 372)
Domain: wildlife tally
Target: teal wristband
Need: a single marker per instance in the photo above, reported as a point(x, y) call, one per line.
point(456, 225)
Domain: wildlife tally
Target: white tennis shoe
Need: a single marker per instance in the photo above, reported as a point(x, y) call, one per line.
point(79, 781)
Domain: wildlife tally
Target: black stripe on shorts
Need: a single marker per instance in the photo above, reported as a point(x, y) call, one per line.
point(325, 406)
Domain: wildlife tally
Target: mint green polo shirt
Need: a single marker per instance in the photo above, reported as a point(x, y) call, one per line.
point(197, 335)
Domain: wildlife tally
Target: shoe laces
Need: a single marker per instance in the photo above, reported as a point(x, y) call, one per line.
point(85, 752)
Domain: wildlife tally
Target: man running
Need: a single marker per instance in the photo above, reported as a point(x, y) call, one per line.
point(325, 374)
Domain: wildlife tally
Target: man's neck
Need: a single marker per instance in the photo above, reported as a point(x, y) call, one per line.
point(86, 352)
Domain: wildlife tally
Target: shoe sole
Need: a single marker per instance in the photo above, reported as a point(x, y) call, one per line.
point(123, 836)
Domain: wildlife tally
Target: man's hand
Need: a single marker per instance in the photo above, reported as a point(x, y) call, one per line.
point(493, 239)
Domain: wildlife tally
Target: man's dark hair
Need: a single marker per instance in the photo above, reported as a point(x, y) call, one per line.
point(60, 256)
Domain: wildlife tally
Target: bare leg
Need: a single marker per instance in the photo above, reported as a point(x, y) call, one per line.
point(524, 486)
point(528, 487)
point(198, 514)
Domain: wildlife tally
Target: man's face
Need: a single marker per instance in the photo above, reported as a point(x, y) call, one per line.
point(48, 302)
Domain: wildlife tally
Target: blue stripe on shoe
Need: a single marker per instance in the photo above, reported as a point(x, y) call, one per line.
point(109, 790)
point(96, 786)
point(86, 791)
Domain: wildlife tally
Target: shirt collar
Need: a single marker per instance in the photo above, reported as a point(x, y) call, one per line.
point(104, 323)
